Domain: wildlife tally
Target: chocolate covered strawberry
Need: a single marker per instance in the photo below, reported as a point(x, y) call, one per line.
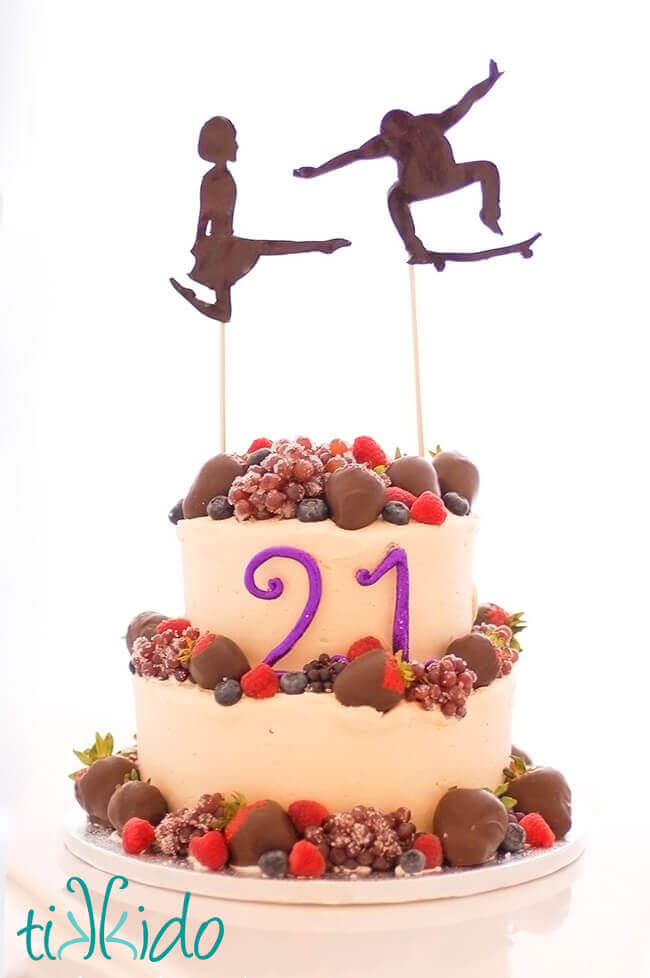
point(373, 679)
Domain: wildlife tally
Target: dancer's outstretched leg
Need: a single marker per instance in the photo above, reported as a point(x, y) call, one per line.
point(219, 310)
point(300, 247)
point(486, 173)
point(400, 211)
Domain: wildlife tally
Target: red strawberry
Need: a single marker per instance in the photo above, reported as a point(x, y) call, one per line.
point(205, 640)
point(177, 625)
point(538, 832)
point(372, 679)
point(429, 508)
point(306, 860)
point(366, 450)
point(261, 682)
point(259, 443)
point(306, 813)
point(362, 645)
point(430, 845)
point(210, 850)
point(137, 836)
point(396, 495)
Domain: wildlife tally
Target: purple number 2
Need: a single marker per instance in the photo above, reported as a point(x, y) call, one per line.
point(275, 588)
point(396, 558)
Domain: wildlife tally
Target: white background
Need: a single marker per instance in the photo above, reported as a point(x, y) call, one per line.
point(534, 369)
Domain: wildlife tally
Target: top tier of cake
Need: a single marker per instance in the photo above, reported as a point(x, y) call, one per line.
point(215, 555)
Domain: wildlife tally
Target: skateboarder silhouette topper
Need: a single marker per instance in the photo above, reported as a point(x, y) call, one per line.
point(426, 168)
point(222, 258)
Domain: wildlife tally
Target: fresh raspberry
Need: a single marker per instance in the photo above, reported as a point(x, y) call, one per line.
point(236, 823)
point(210, 850)
point(260, 682)
point(137, 836)
point(396, 495)
point(306, 813)
point(366, 449)
point(538, 832)
point(429, 508)
point(362, 645)
point(176, 625)
point(305, 859)
point(259, 443)
point(338, 447)
point(392, 676)
point(431, 847)
point(203, 643)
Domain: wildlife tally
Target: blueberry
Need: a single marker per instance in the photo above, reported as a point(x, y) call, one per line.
point(219, 508)
point(273, 863)
point(412, 860)
point(313, 510)
point(256, 458)
point(131, 668)
point(293, 682)
point(228, 692)
point(515, 838)
point(395, 512)
point(456, 504)
point(176, 512)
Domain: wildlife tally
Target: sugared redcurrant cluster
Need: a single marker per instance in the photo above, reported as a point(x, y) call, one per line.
point(443, 685)
point(164, 655)
point(501, 636)
point(177, 829)
point(363, 837)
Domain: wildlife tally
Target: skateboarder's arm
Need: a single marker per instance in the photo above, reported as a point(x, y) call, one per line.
point(456, 112)
point(371, 150)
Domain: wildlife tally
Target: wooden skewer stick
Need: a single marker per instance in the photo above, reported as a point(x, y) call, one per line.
point(222, 387)
point(416, 362)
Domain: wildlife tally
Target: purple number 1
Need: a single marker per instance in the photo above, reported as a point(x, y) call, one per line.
point(396, 558)
point(275, 588)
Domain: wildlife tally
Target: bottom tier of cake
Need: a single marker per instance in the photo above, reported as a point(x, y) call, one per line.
point(310, 746)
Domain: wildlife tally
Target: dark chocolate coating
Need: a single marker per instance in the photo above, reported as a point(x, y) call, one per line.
point(415, 474)
point(214, 479)
point(266, 827)
point(143, 625)
point(457, 474)
point(221, 659)
point(96, 788)
point(480, 656)
point(471, 825)
point(360, 683)
point(355, 496)
point(136, 799)
point(546, 791)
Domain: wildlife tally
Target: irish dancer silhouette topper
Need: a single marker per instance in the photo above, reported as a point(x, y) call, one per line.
point(222, 258)
point(426, 168)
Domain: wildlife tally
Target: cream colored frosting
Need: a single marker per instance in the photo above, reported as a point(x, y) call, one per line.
point(309, 746)
point(442, 599)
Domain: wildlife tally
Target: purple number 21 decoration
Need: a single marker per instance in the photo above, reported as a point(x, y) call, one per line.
point(398, 559)
point(275, 589)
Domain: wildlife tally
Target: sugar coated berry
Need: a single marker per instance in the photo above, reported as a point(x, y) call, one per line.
point(219, 508)
point(456, 504)
point(538, 832)
point(137, 836)
point(367, 451)
point(429, 508)
point(306, 813)
point(260, 682)
point(228, 692)
point(396, 495)
point(431, 847)
point(259, 443)
point(338, 447)
point(412, 861)
point(293, 683)
point(366, 644)
point(306, 859)
point(274, 863)
point(395, 512)
point(312, 510)
point(515, 837)
point(176, 512)
point(210, 850)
